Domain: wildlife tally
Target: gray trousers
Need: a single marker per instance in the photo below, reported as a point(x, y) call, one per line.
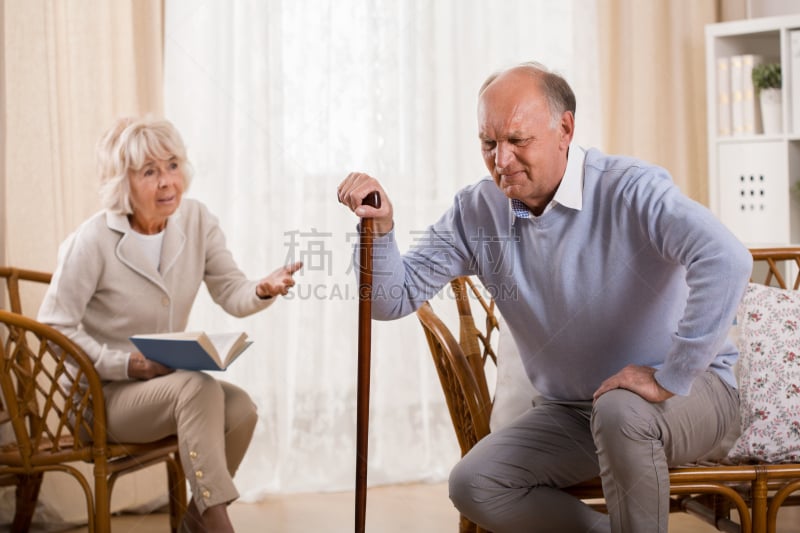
point(214, 421)
point(509, 482)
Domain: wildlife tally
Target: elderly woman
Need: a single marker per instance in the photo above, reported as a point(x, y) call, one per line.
point(136, 267)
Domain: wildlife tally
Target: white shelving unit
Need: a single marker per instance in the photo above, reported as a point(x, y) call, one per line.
point(751, 176)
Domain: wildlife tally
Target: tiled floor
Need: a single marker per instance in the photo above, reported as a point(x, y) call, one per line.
point(396, 509)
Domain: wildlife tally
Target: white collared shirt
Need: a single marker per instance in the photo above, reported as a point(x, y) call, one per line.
point(569, 192)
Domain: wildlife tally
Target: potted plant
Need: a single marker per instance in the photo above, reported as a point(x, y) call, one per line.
point(767, 84)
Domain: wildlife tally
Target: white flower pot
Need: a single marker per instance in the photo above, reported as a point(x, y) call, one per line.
point(771, 111)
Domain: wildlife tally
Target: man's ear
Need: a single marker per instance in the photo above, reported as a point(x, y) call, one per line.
point(567, 127)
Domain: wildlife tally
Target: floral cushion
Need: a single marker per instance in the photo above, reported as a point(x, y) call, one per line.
point(769, 375)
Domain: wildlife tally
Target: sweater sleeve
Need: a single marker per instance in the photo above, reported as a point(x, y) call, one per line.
point(227, 284)
point(403, 282)
point(718, 268)
point(65, 302)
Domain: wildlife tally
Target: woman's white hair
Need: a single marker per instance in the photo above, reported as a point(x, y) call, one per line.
point(126, 147)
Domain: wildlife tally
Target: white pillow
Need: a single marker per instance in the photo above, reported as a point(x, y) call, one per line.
point(769, 375)
point(513, 391)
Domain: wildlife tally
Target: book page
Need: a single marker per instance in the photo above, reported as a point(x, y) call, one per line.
point(226, 345)
point(177, 335)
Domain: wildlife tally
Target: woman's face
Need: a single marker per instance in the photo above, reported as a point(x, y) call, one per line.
point(156, 191)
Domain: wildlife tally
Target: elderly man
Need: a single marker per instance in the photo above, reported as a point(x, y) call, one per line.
point(623, 293)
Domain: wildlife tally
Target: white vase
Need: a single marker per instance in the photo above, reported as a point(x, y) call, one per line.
point(771, 111)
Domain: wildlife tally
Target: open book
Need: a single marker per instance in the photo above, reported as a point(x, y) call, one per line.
point(193, 350)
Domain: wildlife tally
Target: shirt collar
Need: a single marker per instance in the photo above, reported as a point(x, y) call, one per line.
point(569, 192)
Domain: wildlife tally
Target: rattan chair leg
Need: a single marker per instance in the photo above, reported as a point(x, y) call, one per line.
point(465, 526)
point(27, 494)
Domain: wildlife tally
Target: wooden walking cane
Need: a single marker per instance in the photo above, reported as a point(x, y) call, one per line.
point(364, 345)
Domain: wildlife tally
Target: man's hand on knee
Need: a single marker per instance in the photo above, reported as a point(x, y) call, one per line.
point(638, 379)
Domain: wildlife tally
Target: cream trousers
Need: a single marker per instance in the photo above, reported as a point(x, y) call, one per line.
point(214, 421)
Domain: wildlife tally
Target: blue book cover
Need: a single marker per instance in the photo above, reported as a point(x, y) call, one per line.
point(192, 350)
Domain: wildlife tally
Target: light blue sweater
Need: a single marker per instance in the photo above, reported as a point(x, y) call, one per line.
point(640, 275)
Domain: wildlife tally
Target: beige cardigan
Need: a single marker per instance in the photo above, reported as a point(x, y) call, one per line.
point(103, 290)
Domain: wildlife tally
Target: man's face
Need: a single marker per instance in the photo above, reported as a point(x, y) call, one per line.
point(525, 154)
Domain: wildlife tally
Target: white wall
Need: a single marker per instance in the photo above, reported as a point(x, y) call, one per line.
point(771, 8)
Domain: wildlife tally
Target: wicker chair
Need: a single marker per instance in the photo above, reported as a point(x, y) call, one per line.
point(709, 491)
point(47, 409)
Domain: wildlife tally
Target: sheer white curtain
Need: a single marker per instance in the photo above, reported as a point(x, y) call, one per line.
point(277, 101)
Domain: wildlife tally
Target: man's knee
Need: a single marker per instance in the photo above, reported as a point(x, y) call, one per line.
point(460, 485)
point(621, 413)
point(470, 489)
